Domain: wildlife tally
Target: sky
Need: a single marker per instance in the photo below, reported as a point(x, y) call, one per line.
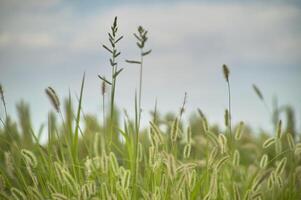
point(53, 42)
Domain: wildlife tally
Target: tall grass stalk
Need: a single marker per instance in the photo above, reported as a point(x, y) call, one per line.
point(114, 38)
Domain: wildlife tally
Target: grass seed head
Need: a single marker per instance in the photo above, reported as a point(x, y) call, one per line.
point(226, 72)
point(268, 142)
point(187, 150)
point(18, 194)
point(222, 142)
point(278, 130)
point(9, 166)
point(104, 192)
point(239, 131)
point(264, 161)
point(2, 93)
point(281, 166)
point(29, 158)
point(236, 158)
point(258, 92)
point(59, 196)
point(236, 192)
point(221, 162)
point(34, 193)
point(114, 163)
point(103, 88)
point(290, 141)
point(174, 130)
point(298, 149)
point(227, 118)
point(53, 98)
point(279, 182)
point(204, 120)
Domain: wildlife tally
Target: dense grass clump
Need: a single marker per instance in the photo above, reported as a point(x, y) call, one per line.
point(85, 159)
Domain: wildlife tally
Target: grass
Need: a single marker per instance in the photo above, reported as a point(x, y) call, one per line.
point(84, 159)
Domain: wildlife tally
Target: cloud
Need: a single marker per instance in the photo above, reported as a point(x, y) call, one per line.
point(15, 4)
point(32, 40)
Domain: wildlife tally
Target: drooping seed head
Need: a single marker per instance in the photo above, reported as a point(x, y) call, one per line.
point(222, 142)
point(269, 142)
point(29, 158)
point(281, 166)
point(221, 162)
point(53, 98)
point(17, 194)
point(264, 161)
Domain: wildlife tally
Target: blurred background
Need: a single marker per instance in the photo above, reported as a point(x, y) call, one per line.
point(53, 42)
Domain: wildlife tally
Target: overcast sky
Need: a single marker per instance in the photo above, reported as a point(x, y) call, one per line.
point(53, 42)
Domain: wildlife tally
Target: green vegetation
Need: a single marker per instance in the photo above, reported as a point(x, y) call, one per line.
point(84, 159)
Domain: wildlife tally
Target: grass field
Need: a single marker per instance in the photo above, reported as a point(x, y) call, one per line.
point(86, 158)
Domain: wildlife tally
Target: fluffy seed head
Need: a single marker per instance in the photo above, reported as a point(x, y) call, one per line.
point(114, 163)
point(264, 161)
point(290, 141)
point(279, 181)
point(18, 194)
point(192, 179)
point(34, 193)
point(221, 162)
point(298, 149)
point(268, 142)
point(8, 160)
point(187, 150)
point(58, 196)
point(281, 166)
point(29, 158)
point(222, 142)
